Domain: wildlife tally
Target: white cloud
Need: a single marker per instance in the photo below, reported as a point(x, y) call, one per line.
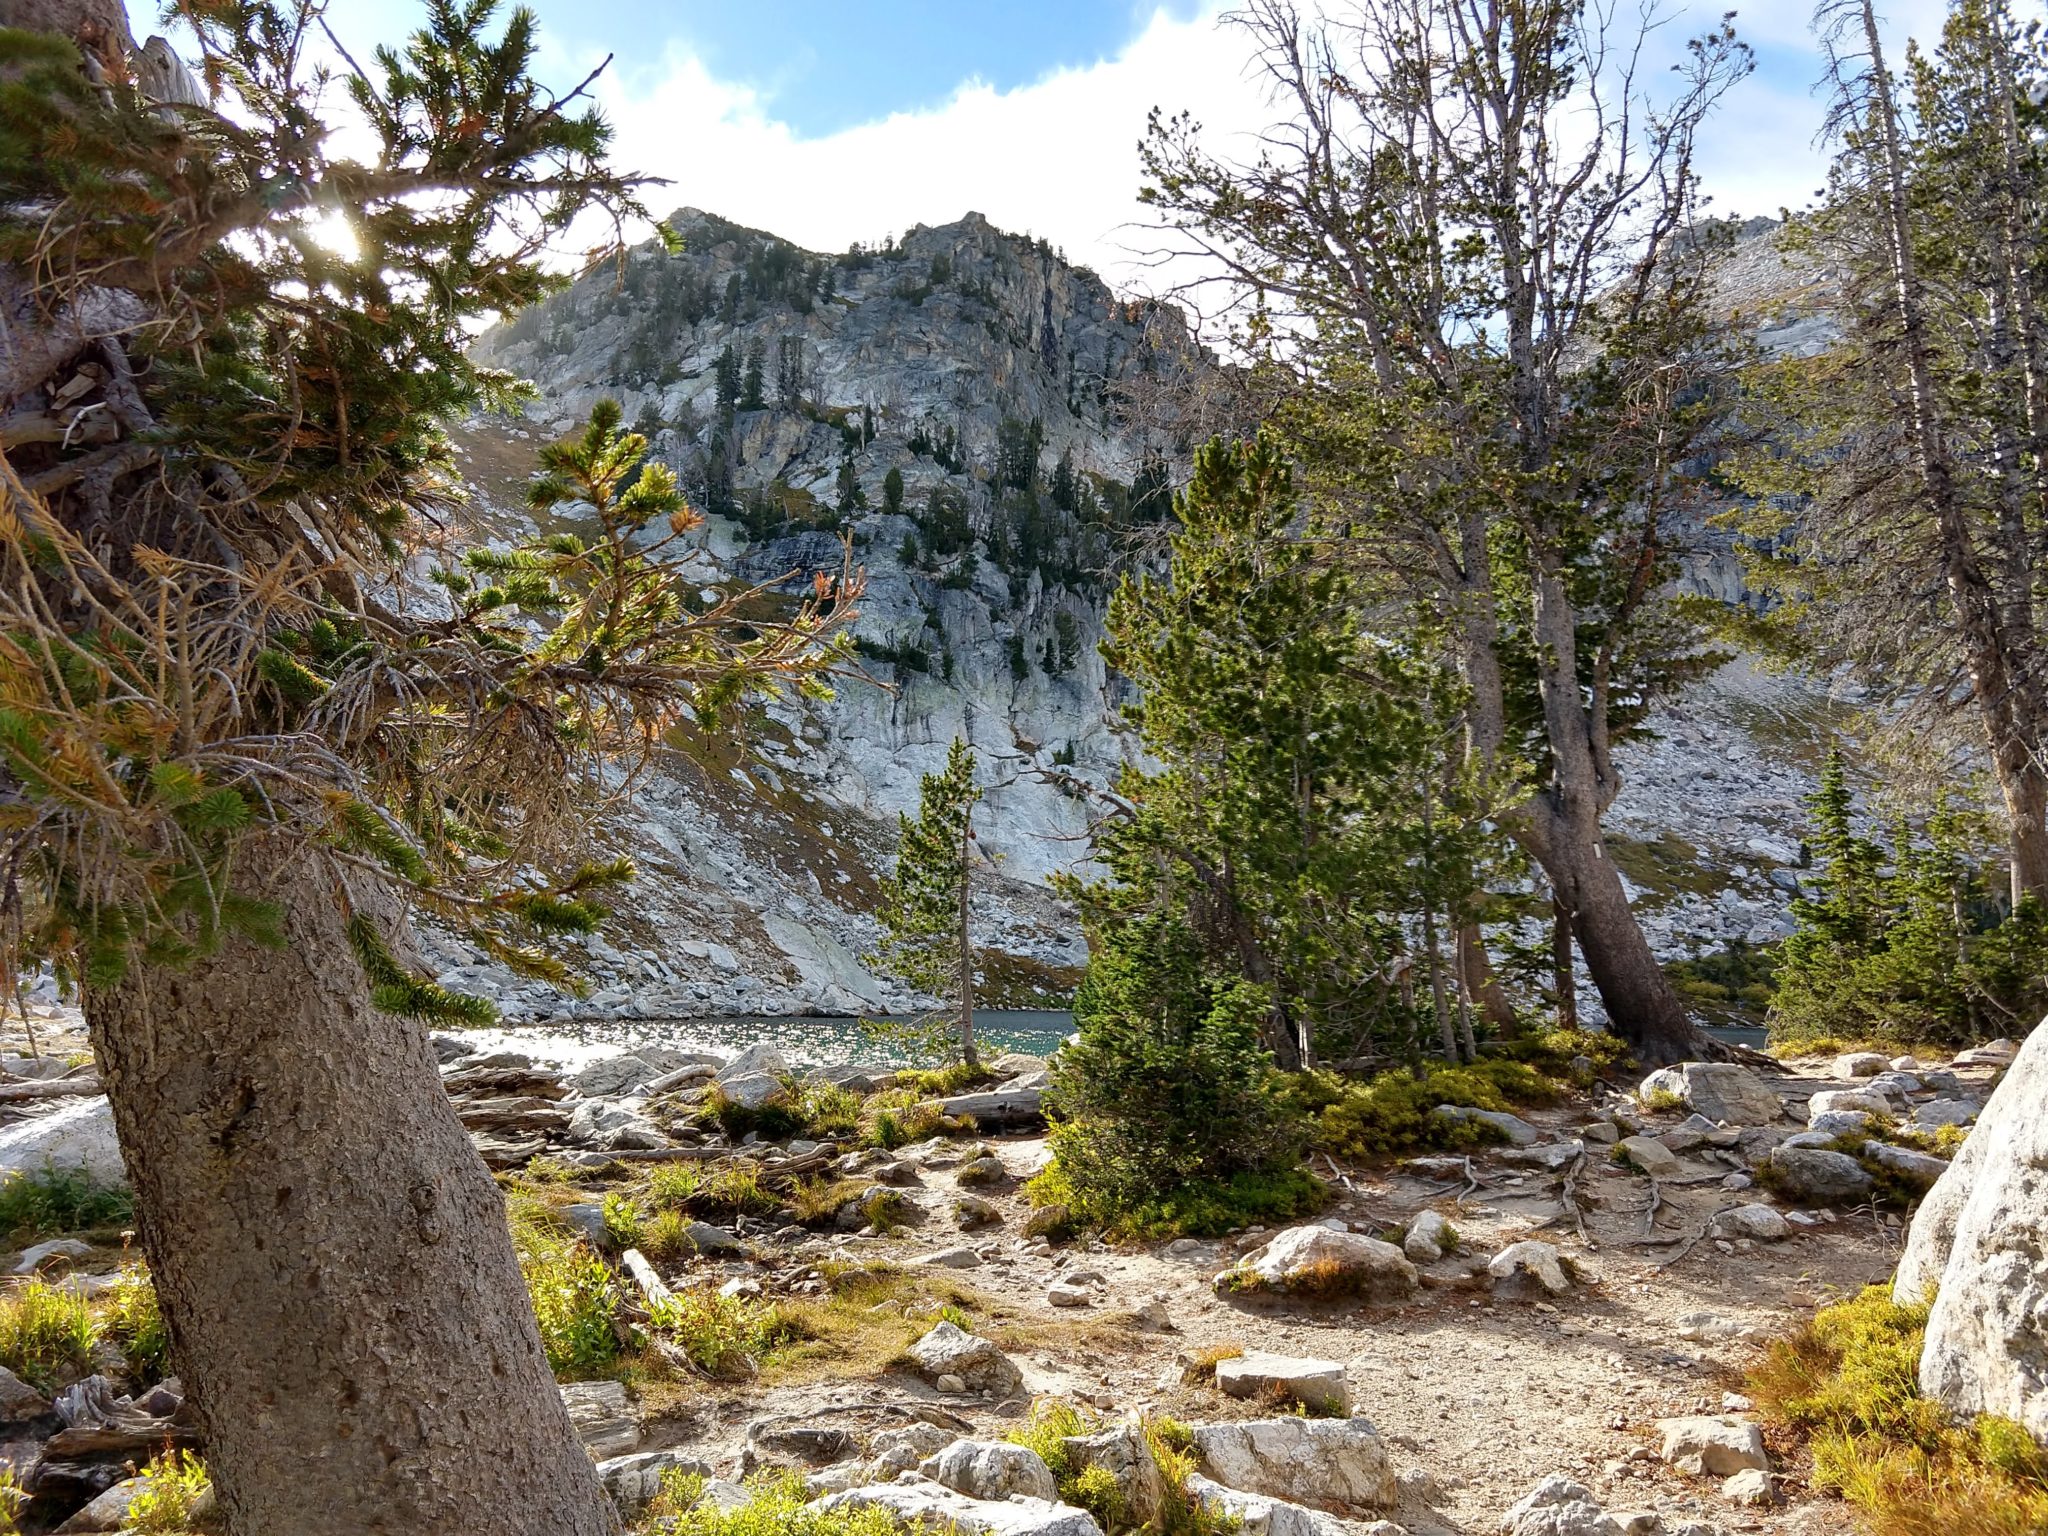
point(1056, 158)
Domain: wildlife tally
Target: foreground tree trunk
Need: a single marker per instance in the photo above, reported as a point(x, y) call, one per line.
point(331, 1255)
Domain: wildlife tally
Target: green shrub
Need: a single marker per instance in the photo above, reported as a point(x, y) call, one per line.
point(779, 1507)
point(815, 1109)
point(1849, 1382)
point(47, 1334)
point(1166, 1087)
point(903, 1116)
point(130, 1317)
point(1394, 1114)
point(54, 1201)
point(729, 1188)
point(623, 1223)
point(574, 1294)
point(1198, 1208)
point(165, 1506)
point(726, 1337)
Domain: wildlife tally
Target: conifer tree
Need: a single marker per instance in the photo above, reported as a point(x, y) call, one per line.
point(892, 492)
point(236, 747)
point(728, 383)
point(926, 908)
point(751, 396)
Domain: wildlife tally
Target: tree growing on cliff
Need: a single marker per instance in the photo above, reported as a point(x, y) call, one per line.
point(1470, 261)
point(926, 910)
point(238, 739)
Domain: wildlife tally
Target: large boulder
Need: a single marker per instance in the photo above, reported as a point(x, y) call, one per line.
point(949, 1353)
point(1259, 1514)
point(1322, 1261)
point(1557, 1506)
point(75, 1137)
point(634, 1481)
point(991, 1469)
point(1817, 1176)
point(1982, 1237)
point(1124, 1455)
point(1319, 1461)
point(1719, 1090)
point(920, 1501)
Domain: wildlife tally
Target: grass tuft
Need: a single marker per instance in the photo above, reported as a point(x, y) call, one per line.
point(166, 1506)
point(1849, 1382)
point(47, 1334)
point(52, 1202)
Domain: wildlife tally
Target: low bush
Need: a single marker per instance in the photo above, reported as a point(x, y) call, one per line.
point(53, 1201)
point(725, 1337)
point(130, 1318)
point(902, 1116)
point(574, 1294)
point(1197, 1208)
point(730, 1188)
point(941, 1082)
point(780, 1507)
point(47, 1334)
point(167, 1503)
point(803, 1108)
point(1848, 1381)
point(1395, 1113)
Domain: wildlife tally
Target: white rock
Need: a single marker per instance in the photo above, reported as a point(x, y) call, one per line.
point(1314, 1260)
point(1752, 1487)
point(1846, 1098)
point(1719, 1090)
point(1716, 1447)
point(923, 1502)
point(1939, 1112)
point(33, 1259)
point(74, 1137)
point(1429, 1238)
point(1817, 1175)
point(1841, 1122)
point(991, 1469)
point(1557, 1506)
point(1258, 1514)
point(1982, 1233)
point(602, 1416)
point(751, 1090)
point(1066, 1293)
point(1923, 1166)
point(1124, 1454)
point(1317, 1384)
point(1861, 1064)
point(758, 1058)
point(1539, 1259)
point(633, 1481)
point(974, 1362)
point(1758, 1221)
point(1519, 1132)
point(900, 1449)
point(1324, 1461)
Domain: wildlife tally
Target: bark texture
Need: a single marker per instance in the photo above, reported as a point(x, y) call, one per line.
point(332, 1257)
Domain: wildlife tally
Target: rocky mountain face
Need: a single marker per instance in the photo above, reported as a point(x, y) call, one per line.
point(970, 411)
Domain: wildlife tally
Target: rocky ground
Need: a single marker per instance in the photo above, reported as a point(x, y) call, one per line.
point(1574, 1304)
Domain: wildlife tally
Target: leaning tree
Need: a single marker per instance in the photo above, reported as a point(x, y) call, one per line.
point(256, 702)
point(1470, 262)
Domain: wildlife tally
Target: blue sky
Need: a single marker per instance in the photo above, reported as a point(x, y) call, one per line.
point(851, 120)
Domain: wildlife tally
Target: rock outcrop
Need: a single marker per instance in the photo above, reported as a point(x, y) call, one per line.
point(1981, 1241)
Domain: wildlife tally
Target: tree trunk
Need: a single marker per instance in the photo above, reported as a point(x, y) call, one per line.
point(1481, 985)
point(331, 1255)
point(968, 1052)
point(1642, 1006)
point(1564, 976)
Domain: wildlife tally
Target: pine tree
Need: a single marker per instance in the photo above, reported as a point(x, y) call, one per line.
point(926, 903)
point(892, 492)
point(728, 382)
point(751, 397)
point(241, 752)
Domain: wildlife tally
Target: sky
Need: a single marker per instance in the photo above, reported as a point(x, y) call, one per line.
point(831, 121)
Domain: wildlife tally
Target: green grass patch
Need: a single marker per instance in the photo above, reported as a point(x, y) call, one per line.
point(1848, 1382)
point(780, 1507)
point(131, 1319)
point(47, 1334)
point(574, 1293)
point(171, 1496)
point(1393, 1115)
point(725, 1337)
point(1199, 1208)
point(52, 1202)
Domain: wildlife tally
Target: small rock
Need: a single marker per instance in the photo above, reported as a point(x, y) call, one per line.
point(633, 1481)
point(901, 1449)
point(1519, 1132)
point(19, 1402)
point(1067, 1293)
point(1758, 1221)
point(971, 1212)
point(1541, 1260)
point(1319, 1385)
point(1841, 1122)
point(1939, 1112)
point(1921, 1167)
point(1712, 1447)
point(1315, 1261)
point(1317, 1461)
point(33, 1259)
point(1429, 1238)
point(951, 1258)
point(1257, 1514)
point(1860, 1064)
point(1557, 1506)
point(1752, 1487)
point(1650, 1155)
point(922, 1502)
point(991, 1469)
point(1846, 1098)
point(602, 1417)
